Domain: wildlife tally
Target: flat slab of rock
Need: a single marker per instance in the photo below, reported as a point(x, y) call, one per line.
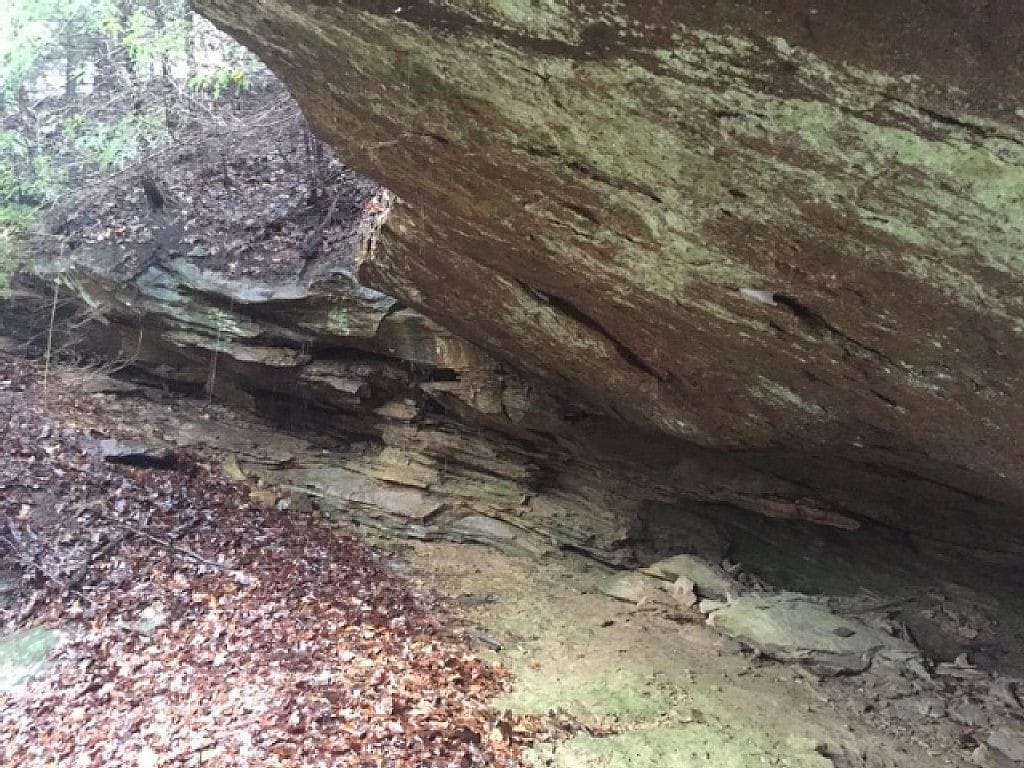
point(990, 757)
point(496, 533)
point(630, 587)
point(98, 383)
point(1009, 741)
point(23, 654)
point(792, 627)
point(709, 580)
point(137, 454)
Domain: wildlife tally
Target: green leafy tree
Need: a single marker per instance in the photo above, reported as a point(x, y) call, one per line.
point(90, 87)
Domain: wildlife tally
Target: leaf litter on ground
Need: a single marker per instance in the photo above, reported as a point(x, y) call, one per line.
point(201, 628)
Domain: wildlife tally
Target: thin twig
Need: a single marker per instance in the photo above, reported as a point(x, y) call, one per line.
point(49, 332)
point(211, 379)
point(171, 545)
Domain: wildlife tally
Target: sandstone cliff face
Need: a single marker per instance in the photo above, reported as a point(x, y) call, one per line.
point(649, 277)
point(790, 230)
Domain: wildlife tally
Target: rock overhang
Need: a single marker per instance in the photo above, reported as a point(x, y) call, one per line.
point(780, 244)
point(594, 193)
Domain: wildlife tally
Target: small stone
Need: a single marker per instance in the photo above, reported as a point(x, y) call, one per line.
point(692, 715)
point(683, 591)
point(1008, 740)
point(967, 632)
point(630, 587)
point(921, 706)
point(758, 295)
point(989, 757)
point(970, 714)
point(709, 580)
point(23, 654)
point(137, 454)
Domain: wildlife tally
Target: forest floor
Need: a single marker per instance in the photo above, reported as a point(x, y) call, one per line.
point(252, 195)
point(174, 615)
point(174, 620)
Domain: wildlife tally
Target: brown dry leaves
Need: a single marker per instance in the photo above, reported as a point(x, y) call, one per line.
point(225, 634)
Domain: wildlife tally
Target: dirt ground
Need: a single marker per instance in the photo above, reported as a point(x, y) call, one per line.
point(680, 693)
point(153, 613)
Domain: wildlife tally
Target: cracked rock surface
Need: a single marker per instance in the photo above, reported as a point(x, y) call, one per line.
point(787, 230)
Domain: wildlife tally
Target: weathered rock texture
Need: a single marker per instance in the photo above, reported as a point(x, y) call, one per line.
point(788, 230)
point(642, 272)
point(416, 430)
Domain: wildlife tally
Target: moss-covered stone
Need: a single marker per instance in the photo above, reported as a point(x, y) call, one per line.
point(23, 654)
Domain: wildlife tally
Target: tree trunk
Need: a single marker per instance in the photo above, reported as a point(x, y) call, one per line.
point(71, 64)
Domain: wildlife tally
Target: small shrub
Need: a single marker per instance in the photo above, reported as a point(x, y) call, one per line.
point(13, 219)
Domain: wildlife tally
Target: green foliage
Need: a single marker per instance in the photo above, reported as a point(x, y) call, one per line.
point(109, 147)
point(89, 87)
point(32, 31)
point(148, 40)
point(233, 80)
point(13, 220)
point(8, 261)
point(27, 176)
